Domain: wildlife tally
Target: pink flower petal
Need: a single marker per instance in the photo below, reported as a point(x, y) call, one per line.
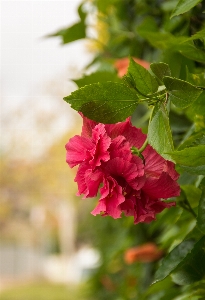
point(133, 135)
point(111, 198)
point(120, 148)
point(169, 168)
point(88, 181)
point(154, 163)
point(88, 126)
point(77, 150)
point(126, 172)
point(102, 142)
point(162, 187)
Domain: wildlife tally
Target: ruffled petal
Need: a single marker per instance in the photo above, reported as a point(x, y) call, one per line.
point(120, 148)
point(111, 198)
point(77, 150)
point(126, 172)
point(102, 142)
point(88, 181)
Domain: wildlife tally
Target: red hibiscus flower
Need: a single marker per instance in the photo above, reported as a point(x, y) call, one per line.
point(126, 182)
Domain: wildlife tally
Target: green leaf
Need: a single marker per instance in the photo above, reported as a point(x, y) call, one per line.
point(192, 194)
point(97, 77)
point(159, 132)
point(201, 208)
point(193, 267)
point(107, 102)
point(173, 260)
point(198, 108)
point(195, 79)
point(199, 35)
point(73, 33)
point(81, 13)
point(160, 70)
point(189, 50)
point(144, 81)
point(198, 138)
point(181, 93)
point(191, 159)
point(183, 6)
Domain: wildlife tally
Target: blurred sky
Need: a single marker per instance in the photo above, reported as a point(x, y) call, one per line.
point(29, 61)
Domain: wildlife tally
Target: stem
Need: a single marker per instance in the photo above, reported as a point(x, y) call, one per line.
point(191, 209)
point(186, 205)
point(143, 146)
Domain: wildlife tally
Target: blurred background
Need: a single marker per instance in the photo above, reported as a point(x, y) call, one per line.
point(38, 216)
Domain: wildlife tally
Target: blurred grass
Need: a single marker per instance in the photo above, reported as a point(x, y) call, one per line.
point(45, 291)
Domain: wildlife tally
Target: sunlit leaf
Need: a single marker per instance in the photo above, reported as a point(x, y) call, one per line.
point(159, 132)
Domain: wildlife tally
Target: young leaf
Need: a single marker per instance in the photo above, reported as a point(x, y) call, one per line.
point(181, 93)
point(144, 81)
point(159, 132)
point(173, 259)
point(191, 159)
point(183, 6)
point(160, 70)
point(201, 208)
point(107, 102)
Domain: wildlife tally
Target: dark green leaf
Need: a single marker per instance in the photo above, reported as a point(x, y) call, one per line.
point(160, 70)
point(184, 6)
point(159, 133)
point(201, 208)
point(107, 102)
point(181, 93)
point(97, 77)
point(193, 267)
point(144, 81)
point(173, 260)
